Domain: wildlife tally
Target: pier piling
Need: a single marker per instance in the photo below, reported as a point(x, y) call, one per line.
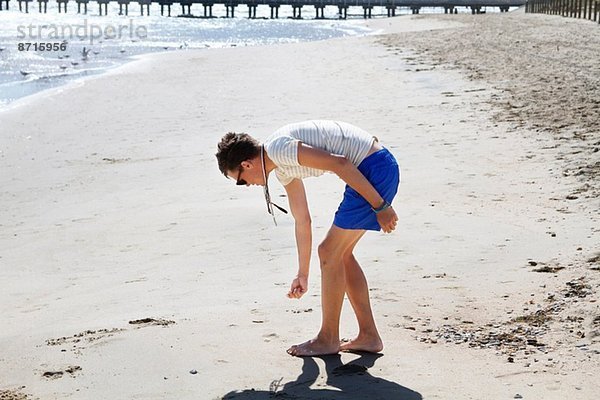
point(144, 4)
point(85, 6)
point(100, 4)
point(319, 12)
point(26, 5)
point(230, 10)
point(62, 3)
point(187, 4)
point(297, 12)
point(252, 11)
point(123, 5)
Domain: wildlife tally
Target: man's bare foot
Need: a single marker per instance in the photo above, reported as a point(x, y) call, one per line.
point(313, 347)
point(368, 344)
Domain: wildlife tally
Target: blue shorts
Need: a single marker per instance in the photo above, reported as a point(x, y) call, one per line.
point(382, 171)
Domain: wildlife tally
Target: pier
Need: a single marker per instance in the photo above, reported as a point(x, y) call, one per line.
point(586, 9)
point(319, 6)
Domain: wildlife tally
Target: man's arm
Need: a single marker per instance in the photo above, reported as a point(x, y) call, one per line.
point(299, 208)
point(342, 167)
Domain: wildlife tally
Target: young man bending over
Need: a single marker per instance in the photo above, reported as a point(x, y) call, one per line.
point(371, 174)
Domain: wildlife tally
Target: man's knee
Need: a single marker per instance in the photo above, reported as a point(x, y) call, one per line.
point(324, 250)
point(329, 253)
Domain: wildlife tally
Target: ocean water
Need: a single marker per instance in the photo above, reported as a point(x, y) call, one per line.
point(78, 45)
point(44, 50)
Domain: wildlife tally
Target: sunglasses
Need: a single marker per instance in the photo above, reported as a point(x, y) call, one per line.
point(238, 180)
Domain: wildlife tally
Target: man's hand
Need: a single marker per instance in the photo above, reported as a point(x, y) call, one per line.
point(387, 219)
point(299, 287)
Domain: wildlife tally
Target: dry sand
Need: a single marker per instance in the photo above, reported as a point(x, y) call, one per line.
point(545, 71)
point(131, 269)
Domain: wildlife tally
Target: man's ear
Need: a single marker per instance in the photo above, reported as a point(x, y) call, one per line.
point(246, 164)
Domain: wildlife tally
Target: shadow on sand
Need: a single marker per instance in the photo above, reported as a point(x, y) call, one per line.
point(351, 380)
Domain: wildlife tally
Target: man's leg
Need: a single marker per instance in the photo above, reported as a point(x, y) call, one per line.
point(333, 288)
point(368, 338)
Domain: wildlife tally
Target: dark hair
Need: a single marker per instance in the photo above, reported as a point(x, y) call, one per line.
point(235, 148)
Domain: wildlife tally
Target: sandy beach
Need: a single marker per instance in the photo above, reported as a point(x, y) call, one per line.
point(131, 269)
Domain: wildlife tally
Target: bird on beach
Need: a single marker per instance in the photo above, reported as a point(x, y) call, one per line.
point(184, 45)
point(63, 67)
point(24, 73)
point(96, 52)
point(122, 50)
point(84, 53)
point(73, 63)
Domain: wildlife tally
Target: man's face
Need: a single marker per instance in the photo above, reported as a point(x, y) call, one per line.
point(249, 173)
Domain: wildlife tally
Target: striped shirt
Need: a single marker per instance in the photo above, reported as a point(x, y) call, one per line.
point(332, 136)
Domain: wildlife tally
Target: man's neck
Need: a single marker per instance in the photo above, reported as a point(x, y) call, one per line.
point(269, 164)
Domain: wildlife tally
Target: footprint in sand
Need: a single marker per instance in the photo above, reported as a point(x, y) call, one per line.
point(86, 336)
point(258, 313)
point(270, 336)
point(13, 394)
point(306, 310)
point(80, 340)
point(71, 370)
point(151, 321)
